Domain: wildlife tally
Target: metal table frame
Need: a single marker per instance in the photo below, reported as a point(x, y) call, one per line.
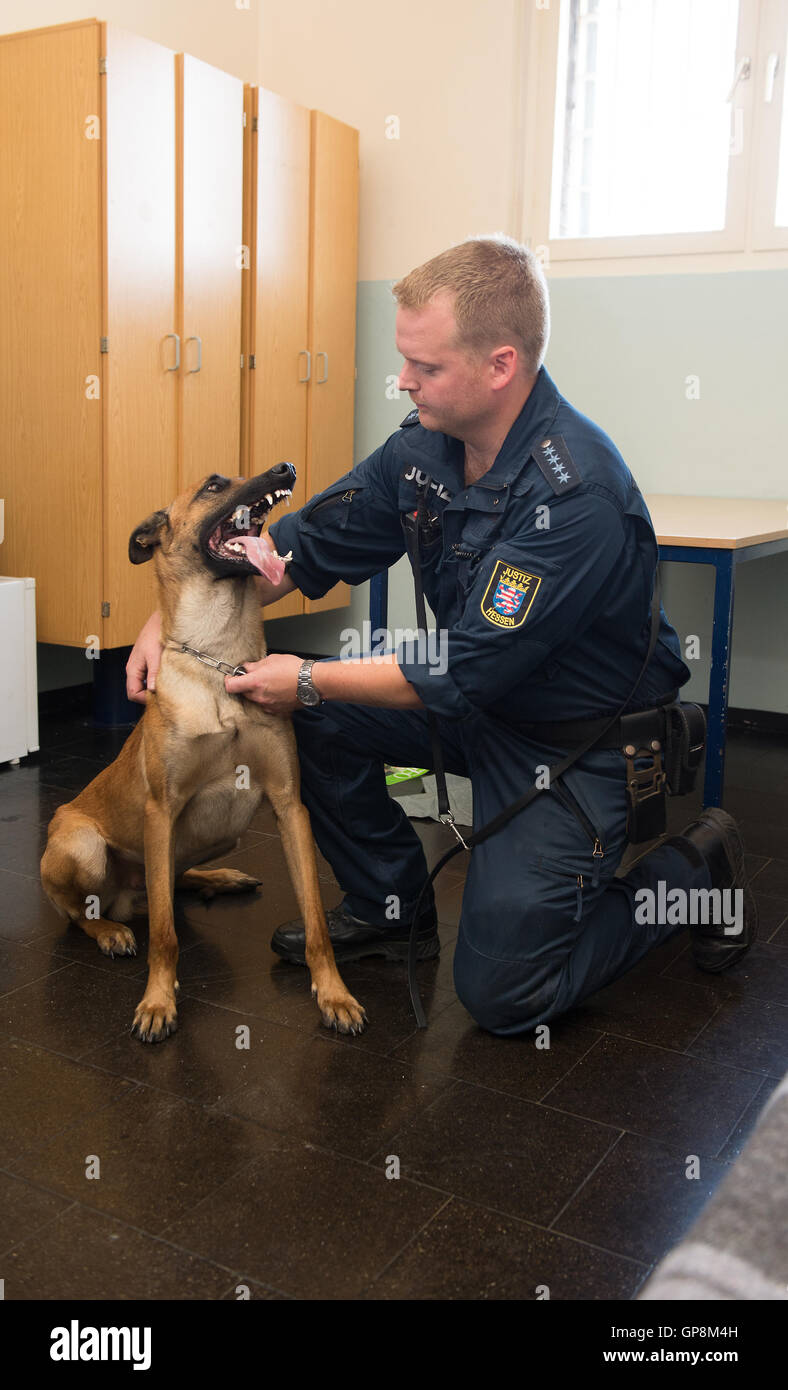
point(724, 561)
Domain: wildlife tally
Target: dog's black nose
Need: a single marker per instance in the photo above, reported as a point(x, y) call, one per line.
point(284, 473)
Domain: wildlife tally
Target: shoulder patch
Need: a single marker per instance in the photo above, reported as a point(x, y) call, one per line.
point(509, 595)
point(412, 418)
point(555, 461)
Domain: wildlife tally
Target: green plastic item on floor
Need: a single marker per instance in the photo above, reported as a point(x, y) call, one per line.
point(404, 774)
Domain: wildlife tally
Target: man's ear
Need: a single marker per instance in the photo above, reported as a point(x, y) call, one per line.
point(145, 537)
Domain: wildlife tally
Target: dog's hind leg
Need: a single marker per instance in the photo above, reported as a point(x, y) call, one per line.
point(77, 879)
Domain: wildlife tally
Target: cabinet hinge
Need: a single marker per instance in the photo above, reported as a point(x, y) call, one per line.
point(252, 361)
point(105, 609)
point(254, 123)
point(244, 115)
point(102, 65)
point(242, 361)
point(105, 344)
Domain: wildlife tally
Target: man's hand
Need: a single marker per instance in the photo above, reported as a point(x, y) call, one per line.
point(144, 661)
point(270, 683)
point(370, 680)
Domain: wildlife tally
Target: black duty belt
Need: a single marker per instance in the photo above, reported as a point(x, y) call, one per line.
point(568, 732)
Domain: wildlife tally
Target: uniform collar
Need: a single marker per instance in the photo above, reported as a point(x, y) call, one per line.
point(441, 455)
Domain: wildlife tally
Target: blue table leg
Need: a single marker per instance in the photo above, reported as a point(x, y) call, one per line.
point(719, 680)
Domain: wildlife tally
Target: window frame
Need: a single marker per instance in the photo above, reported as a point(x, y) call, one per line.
point(745, 240)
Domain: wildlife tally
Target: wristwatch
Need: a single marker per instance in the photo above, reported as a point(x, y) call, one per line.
point(305, 689)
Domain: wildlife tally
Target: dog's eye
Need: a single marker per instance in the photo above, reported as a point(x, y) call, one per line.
point(216, 484)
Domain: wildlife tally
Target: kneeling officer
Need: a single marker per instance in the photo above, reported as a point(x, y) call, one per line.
point(538, 558)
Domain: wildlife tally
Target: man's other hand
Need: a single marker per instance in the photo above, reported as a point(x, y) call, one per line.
point(144, 661)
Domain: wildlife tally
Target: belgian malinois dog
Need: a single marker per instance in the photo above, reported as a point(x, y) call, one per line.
point(190, 777)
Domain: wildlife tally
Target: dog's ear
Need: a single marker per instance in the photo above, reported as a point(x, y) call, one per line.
point(145, 537)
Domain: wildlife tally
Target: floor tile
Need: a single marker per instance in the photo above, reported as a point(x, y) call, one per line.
point(650, 1008)
point(372, 1097)
point(42, 1094)
point(20, 965)
point(761, 973)
point(454, 1044)
point(514, 1157)
point(677, 1100)
point(467, 1253)
point(751, 1034)
point(83, 1254)
point(24, 1209)
point(159, 1156)
point(72, 1010)
point(641, 1199)
point(307, 1221)
point(747, 1122)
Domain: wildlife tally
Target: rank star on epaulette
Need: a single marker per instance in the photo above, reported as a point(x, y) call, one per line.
point(412, 418)
point(555, 461)
point(509, 595)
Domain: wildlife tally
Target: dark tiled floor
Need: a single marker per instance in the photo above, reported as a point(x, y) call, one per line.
point(446, 1164)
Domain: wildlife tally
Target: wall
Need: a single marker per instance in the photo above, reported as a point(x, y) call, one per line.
point(620, 348)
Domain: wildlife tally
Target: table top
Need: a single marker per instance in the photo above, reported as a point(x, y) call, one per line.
point(717, 523)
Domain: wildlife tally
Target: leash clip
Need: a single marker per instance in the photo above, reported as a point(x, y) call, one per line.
point(448, 819)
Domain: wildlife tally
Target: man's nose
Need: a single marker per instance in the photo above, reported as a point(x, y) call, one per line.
point(406, 381)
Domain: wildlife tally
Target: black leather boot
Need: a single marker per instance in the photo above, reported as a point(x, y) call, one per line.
point(352, 939)
point(715, 837)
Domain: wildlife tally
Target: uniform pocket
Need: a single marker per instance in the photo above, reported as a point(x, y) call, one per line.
point(333, 508)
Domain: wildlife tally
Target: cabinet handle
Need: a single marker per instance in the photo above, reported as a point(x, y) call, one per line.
point(307, 354)
point(195, 339)
point(177, 351)
point(323, 378)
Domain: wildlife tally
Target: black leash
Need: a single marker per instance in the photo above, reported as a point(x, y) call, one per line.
point(412, 535)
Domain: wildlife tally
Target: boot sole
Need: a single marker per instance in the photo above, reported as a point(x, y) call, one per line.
point(714, 955)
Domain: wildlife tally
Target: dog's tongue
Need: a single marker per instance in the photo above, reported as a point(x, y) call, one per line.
point(260, 554)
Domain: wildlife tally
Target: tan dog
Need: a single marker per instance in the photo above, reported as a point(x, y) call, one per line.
point(176, 795)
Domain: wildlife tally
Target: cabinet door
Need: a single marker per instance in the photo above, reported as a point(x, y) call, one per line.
point(140, 396)
point(279, 300)
point(332, 319)
point(209, 236)
point(50, 324)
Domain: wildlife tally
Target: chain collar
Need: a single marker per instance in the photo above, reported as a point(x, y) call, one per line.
point(223, 666)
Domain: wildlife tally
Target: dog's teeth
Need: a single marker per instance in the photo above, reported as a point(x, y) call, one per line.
point(269, 499)
point(286, 557)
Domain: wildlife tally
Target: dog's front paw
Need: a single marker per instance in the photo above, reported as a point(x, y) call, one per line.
point(115, 940)
point(155, 1019)
point(340, 1011)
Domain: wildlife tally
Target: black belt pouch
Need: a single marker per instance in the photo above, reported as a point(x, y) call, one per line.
point(685, 740)
point(643, 745)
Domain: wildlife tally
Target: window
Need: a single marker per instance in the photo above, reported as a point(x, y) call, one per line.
point(656, 127)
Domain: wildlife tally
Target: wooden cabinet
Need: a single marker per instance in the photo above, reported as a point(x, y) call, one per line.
point(299, 318)
point(122, 325)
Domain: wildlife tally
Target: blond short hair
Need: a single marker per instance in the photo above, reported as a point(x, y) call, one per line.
point(500, 295)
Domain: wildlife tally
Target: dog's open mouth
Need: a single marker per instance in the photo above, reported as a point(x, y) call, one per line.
point(239, 536)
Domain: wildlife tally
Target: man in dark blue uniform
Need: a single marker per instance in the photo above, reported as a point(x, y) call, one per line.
point(538, 560)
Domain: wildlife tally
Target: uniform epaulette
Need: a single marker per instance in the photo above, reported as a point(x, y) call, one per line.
point(552, 456)
point(412, 418)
